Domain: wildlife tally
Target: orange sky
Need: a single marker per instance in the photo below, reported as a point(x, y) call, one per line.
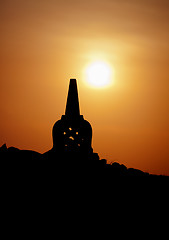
point(44, 43)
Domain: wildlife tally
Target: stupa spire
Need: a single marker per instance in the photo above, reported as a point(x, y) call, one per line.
point(72, 105)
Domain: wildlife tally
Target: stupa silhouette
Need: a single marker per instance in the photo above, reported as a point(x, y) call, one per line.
point(71, 154)
point(72, 134)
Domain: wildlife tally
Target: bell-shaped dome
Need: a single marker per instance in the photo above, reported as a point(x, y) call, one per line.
point(72, 134)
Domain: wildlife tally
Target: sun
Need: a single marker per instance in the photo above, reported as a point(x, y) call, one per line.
point(99, 74)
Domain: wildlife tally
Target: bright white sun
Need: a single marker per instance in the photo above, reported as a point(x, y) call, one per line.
point(99, 74)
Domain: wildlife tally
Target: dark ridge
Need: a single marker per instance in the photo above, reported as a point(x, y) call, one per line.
point(14, 162)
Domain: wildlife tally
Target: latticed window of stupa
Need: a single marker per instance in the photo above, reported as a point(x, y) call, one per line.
point(72, 138)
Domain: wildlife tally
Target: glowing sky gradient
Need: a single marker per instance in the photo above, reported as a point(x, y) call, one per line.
point(44, 43)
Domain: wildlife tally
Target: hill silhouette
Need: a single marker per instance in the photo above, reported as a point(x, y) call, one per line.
point(14, 161)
